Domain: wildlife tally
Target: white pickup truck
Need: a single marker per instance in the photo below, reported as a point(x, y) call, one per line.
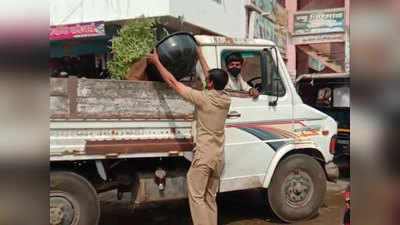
point(138, 137)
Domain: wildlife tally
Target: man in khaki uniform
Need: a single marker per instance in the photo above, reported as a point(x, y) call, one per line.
point(212, 107)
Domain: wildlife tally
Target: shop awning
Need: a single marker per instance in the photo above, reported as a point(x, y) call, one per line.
point(83, 46)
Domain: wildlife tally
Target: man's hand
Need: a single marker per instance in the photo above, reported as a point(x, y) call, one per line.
point(153, 57)
point(165, 74)
point(254, 92)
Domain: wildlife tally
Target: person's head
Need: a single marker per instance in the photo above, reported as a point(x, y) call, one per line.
point(217, 79)
point(234, 63)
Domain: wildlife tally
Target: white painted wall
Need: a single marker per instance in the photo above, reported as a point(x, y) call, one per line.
point(79, 11)
point(227, 18)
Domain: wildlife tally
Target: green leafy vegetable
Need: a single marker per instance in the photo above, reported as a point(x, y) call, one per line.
point(134, 40)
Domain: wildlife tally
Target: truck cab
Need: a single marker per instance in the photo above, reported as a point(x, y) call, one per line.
point(137, 137)
point(262, 132)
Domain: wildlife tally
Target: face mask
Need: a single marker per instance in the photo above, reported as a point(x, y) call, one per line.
point(234, 71)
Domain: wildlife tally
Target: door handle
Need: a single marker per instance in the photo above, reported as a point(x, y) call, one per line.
point(233, 115)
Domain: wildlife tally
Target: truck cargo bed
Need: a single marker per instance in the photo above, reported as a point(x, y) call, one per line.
point(96, 119)
point(73, 98)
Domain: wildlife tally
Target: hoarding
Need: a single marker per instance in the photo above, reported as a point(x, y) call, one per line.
point(319, 22)
point(263, 28)
point(80, 30)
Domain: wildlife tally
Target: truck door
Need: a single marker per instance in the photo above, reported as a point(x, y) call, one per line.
point(255, 128)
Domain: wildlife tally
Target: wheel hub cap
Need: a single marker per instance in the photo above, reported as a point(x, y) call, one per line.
point(298, 188)
point(61, 211)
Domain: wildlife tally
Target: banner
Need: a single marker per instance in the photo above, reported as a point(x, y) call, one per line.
point(81, 30)
point(319, 22)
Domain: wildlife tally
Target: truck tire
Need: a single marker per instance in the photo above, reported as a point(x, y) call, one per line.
point(73, 200)
point(297, 188)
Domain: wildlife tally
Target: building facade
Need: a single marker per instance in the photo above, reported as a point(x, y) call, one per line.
point(81, 29)
point(319, 31)
point(311, 34)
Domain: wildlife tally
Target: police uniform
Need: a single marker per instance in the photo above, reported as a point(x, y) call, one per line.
point(212, 107)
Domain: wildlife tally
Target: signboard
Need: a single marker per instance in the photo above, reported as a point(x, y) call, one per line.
point(260, 27)
point(92, 29)
point(266, 6)
point(321, 38)
point(263, 28)
point(319, 22)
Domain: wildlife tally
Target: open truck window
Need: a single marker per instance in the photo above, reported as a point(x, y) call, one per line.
point(273, 85)
point(251, 67)
point(265, 81)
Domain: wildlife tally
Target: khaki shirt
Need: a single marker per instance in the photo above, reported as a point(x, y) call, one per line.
point(212, 107)
point(237, 83)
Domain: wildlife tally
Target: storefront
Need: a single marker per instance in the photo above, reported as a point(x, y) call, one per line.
point(81, 49)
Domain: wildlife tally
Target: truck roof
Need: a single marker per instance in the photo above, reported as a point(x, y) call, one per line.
point(219, 40)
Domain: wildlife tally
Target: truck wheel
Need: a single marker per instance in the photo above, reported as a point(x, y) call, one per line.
point(73, 200)
point(297, 189)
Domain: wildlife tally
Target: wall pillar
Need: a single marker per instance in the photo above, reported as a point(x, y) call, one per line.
point(291, 6)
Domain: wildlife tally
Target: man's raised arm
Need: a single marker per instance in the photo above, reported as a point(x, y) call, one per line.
point(203, 62)
point(165, 74)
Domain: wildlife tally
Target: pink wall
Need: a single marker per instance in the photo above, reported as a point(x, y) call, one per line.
point(347, 7)
point(291, 6)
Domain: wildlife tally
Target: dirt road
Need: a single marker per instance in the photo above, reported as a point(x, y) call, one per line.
point(235, 208)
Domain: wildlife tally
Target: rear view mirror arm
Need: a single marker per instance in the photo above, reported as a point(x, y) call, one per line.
point(275, 102)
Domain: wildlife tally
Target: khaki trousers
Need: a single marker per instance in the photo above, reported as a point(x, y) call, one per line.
point(202, 190)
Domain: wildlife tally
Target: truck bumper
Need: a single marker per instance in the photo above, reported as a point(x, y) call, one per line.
point(332, 171)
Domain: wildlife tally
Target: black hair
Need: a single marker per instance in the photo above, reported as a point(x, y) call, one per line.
point(219, 77)
point(235, 56)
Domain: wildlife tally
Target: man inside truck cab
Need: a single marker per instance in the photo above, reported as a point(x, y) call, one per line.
point(212, 106)
point(234, 63)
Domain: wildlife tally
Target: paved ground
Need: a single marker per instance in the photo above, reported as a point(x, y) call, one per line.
point(235, 208)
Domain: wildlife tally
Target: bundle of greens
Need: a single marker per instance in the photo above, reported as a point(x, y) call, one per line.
point(134, 40)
